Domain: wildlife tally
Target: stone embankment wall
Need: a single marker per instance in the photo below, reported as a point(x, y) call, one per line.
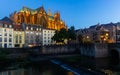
point(94, 50)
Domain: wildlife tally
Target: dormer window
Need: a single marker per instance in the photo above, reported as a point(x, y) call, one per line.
point(40, 29)
point(31, 28)
point(6, 25)
point(37, 29)
point(10, 26)
point(26, 28)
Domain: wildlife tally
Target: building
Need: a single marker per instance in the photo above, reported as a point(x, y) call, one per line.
point(47, 34)
point(6, 33)
point(104, 33)
point(19, 36)
point(33, 35)
point(38, 17)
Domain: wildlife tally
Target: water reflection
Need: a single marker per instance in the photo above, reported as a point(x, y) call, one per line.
point(110, 66)
point(38, 69)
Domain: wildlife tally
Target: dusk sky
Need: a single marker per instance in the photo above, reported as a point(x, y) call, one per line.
point(80, 13)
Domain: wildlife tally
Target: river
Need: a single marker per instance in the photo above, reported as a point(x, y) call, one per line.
point(39, 68)
point(104, 65)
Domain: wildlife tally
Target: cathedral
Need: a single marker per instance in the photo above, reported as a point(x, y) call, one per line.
point(38, 17)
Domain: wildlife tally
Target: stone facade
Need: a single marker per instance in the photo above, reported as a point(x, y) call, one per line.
point(38, 17)
point(101, 33)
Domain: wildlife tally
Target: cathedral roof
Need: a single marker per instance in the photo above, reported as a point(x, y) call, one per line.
point(32, 11)
point(51, 17)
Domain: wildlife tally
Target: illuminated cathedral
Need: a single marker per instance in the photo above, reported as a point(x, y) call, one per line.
point(38, 17)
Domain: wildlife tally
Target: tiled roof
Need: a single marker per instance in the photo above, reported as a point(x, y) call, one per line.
point(6, 20)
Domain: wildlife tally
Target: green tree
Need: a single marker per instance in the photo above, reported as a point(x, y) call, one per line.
point(71, 33)
point(60, 36)
point(80, 38)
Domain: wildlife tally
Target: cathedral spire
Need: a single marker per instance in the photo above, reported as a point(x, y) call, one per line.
point(49, 12)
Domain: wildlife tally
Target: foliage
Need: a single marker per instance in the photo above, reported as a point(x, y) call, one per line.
point(60, 36)
point(63, 34)
point(80, 38)
point(71, 33)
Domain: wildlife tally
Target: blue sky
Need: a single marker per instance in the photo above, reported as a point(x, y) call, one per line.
point(80, 13)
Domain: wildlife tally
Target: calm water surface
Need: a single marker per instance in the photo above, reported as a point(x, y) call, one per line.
point(44, 68)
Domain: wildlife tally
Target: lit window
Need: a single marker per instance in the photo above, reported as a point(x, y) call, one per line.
point(40, 29)
point(31, 28)
point(10, 26)
point(5, 25)
point(5, 30)
point(26, 28)
point(36, 33)
point(37, 29)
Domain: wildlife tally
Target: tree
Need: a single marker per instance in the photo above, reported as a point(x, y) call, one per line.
point(60, 36)
point(80, 38)
point(71, 33)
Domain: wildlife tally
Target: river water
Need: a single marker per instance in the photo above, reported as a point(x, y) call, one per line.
point(39, 68)
point(106, 65)
point(109, 66)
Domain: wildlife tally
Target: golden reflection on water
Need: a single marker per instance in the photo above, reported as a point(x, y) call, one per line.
point(70, 73)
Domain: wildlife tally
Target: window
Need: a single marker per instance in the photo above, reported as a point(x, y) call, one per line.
point(5, 34)
point(31, 28)
point(48, 37)
point(44, 40)
point(36, 33)
point(31, 41)
point(16, 38)
point(0, 39)
point(27, 36)
point(10, 39)
point(5, 39)
point(0, 34)
point(20, 41)
point(10, 26)
point(40, 29)
point(37, 29)
point(26, 41)
point(6, 25)
point(10, 35)
point(20, 37)
point(44, 37)
point(26, 28)
point(0, 45)
point(10, 45)
point(5, 30)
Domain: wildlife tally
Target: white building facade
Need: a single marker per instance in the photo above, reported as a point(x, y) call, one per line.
point(6, 35)
point(33, 35)
point(47, 35)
